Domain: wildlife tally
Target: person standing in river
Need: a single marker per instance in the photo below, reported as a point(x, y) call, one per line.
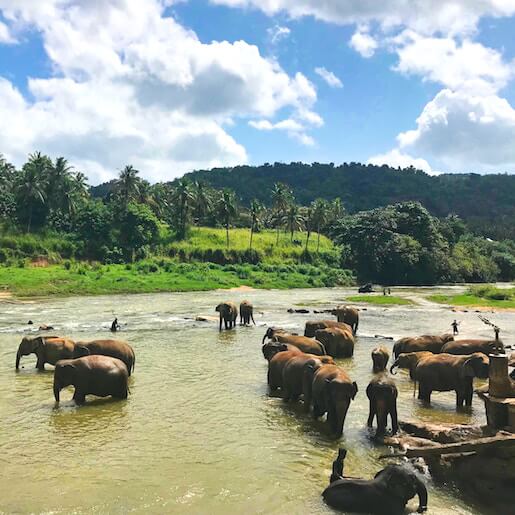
point(454, 326)
point(115, 326)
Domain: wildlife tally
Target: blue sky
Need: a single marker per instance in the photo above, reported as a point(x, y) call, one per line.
point(176, 86)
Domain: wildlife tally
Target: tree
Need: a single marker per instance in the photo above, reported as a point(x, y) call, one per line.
point(226, 207)
point(319, 217)
point(7, 180)
point(307, 215)
point(293, 218)
point(280, 198)
point(127, 186)
point(201, 201)
point(183, 198)
point(256, 208)
point(30, 189)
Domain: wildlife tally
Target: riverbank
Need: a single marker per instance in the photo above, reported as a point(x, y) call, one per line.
point(163, 276)
point(480, 296)
point(381, 300)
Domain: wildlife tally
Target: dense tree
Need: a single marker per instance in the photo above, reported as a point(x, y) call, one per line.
point(293, 218)
point(320, 213)
point(127, 186)
point(201, 201)
point(226, 208)
point(256, 208)
point(280, 197)
point(7, 199)
point(182, 196)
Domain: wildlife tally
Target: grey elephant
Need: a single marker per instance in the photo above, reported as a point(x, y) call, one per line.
point(428, 342)
point(48, 349)
point(348, 315)
point(102, 376)
point(114, 348)
point(228, 314)
point(246, 313)
point(470, 346)
point(410, 360)
point(332, 392)
point(314, 325)
point(305, 344)
point(447, 372)
point(338, 343)
point(386, 494)
point(380, 356)
point(382, 394)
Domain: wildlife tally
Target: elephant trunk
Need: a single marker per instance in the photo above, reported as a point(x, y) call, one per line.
point(422, 496)
point(395, 364)
point(57, 391)
point(18, 356)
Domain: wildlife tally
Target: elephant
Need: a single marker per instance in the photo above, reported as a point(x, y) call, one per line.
point(332, 393)
point(386, 494)
point(228, 314)
point(278, 362)
point(314, 325)
point(382, 394)
point(246, 313)
point(447, 372)
point(338, 343)
point(48, 349)
point(271, 348)
point(98, 375)
point(380, 356)
point(114, 348)
point(419, 343)
point(470, 346)
point(299, 370)
point(410, 361)
point(309, 345)
point(348, 315)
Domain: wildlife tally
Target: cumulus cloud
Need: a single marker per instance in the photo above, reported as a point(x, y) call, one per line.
point(363, 43)
point(294, 128)
point(5, 35)
point(329, 77)
point(144, 90)
point(465, 133)
point(397, 159)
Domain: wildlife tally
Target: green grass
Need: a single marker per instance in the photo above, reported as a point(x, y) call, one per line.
point(482, 296)
point(380, 300)
point(162, 275)
point(210, 244)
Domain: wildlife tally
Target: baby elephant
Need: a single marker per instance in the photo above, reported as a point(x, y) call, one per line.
point(380, 357)
point(386, 494)
point(246, 313)
point(382, 394)
point(98, 375)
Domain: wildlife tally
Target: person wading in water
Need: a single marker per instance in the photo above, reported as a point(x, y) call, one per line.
point(454, 326)
point(115, 326)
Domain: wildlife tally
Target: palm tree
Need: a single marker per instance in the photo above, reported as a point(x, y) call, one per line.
point(226, 207)
point(201, 201)
point(128, 185)
point(256, 208)
point(336, 209)
point(31, 187)
point(183, 197)
point(293, 219)
point(309, 222)
point(280, 197)
point(319, 217)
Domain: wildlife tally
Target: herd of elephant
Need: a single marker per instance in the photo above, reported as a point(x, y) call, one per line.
point(97, 367)
point(304, 367)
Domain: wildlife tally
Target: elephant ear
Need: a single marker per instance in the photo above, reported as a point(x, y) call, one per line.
point(38, 342)
point(468, 369)
point(80, 351)
point(398, 483)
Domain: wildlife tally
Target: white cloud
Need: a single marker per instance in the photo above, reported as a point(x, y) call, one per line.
point(465, 133)
point(277, 33)
point(397, 159)
point(425, 16)
point(144, 90)
point(466, 66)
point(294, 128)
point(363, 43)
point(5, 35)
point(329, 77)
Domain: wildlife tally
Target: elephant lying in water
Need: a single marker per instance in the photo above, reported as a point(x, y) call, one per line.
point(102, 376)
point(48, 349)
point(113, 348)
point(427, 342)
point(386, 494)
point(470, 346)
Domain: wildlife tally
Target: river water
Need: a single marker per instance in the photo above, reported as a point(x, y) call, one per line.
point(199, 433)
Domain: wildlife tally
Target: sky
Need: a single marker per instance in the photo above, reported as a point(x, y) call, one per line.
point(171, 86)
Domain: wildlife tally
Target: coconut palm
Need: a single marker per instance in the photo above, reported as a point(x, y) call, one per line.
point(182, 196)
point(280, 198)
point(293, 219)
point(256, 208)
point(127, 185)
point(307, 215)
point(201, 201)
point(319, 217)
point(226, 208)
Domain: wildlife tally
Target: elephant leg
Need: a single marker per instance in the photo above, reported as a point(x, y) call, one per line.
point(382, 415)
point(79, 397)
point(393, 416)
point(424, 393)
point(317, 410)
point(371, 413)
point(467, 397)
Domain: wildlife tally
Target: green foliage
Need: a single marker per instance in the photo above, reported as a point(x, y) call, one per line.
point(484, 295)
point(380, 300)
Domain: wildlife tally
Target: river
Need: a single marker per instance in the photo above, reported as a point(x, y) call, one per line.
point(199, 433)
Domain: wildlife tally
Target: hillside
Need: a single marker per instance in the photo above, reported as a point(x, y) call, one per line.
point(486, 202)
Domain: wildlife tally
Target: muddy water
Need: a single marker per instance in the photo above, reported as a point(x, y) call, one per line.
point(198, 434)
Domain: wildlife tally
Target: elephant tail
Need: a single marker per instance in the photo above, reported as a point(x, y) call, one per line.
point(414, 387)
point(134, 363)
point(324, 351)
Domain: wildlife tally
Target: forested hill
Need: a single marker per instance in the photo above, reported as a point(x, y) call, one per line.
point(486, 202)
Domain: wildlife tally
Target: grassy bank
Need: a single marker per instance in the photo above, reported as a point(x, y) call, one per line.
point(480, 296)
point(380, 300)
point(162, 275)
